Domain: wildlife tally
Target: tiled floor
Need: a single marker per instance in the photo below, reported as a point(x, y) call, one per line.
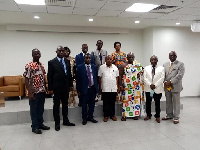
point(129, 135)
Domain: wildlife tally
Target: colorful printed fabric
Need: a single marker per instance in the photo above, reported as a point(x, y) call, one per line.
point(36, 72)
point(119, 58)
point(133, 90)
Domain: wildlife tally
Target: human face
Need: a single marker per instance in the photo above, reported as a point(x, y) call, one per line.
point(172, 56)
point(153, 61)
point(36, 55)
point(67, 53)
point(130, 58)
point(84, 48)
point(99, 45)
point(87, 59)
point(60, 52)
point(117, 47)
point(108, 60)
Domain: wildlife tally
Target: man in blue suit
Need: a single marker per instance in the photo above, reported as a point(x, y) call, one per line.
point(87, 88)
point(79, 59)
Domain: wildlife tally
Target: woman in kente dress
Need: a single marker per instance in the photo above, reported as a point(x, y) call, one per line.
point(132, 87)
point(71, 100)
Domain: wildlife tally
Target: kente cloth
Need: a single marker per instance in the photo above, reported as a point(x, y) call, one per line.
point(133, 95)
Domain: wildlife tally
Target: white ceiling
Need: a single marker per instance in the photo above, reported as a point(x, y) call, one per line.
point(106, 13)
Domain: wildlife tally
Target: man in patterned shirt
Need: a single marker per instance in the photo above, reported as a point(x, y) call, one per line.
point(118, 57)
point(35, 84)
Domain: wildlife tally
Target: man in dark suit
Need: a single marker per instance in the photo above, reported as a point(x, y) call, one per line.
point(87, 88)
point(59, 82)
point(79, 59)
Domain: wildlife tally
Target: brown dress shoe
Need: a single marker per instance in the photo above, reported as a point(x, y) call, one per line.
point(114, 118)
point(105, 119)
point(147, 118)
point(158, 120)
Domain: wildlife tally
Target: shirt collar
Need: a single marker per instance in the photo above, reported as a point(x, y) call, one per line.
point(60, 58)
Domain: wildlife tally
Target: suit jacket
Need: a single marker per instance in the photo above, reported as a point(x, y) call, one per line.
point(82, 81)
point(57, 79)
point(175, 75)
point(97, 60)
point(79, 59)
point(157, 80)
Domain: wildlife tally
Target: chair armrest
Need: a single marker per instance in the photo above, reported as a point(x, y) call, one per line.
point(22, 86)
point(1, 81)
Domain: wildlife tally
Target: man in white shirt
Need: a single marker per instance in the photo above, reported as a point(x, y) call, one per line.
point(108, 85)
point(153, 79)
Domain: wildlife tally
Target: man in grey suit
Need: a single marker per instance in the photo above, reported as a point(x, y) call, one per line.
point(99, 54)
point(174, 71)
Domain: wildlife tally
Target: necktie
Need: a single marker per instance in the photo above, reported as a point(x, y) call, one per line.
point(100, 56)
point(89, 75)
point(153, 72)
point(170, 66)
point(62, 65)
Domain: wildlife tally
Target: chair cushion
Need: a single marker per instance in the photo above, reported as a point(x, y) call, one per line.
point(11, 80)
point(9, 88)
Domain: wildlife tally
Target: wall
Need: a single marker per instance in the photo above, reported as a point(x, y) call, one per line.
point(187, 45)
point(16, 46)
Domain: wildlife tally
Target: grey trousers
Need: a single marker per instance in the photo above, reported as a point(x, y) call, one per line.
point(172, 104)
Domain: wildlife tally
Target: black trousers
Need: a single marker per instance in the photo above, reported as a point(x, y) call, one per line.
point(63, 97)
point(157, 98)
point(37, 110)
point(109, 99)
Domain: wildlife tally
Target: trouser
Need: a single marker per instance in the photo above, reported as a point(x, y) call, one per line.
point(37, 110)
point(63, 97)
point(109, 99)
point(157, 98)
point(172, 104)
point(88, 99)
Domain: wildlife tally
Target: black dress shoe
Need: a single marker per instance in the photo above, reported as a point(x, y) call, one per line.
point(44, 127)
point(84, 122)
point(68, 124)
point(92, 120)
point(57, 127)
point(37, 131)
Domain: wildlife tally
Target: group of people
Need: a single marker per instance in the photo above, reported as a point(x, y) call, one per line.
point(111, 76)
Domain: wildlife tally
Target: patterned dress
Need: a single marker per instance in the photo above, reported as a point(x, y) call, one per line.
point(119, 58)
point(133, 90)
point(71, 100)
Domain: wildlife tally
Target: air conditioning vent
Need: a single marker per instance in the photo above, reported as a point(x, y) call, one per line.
point(164, 9)
point(63, 3)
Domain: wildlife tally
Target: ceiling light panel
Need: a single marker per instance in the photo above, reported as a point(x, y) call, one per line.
point(30, 2)
point(141, 7)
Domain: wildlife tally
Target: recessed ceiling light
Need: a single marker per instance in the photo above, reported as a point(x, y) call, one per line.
point(178, 23)
point(30, 2)
point(36, 17)
point(141, 7)
point(137, 21)
point(91, 19)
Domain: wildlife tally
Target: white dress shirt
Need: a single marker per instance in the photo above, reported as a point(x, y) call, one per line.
point(108, 78)
point(157, 79)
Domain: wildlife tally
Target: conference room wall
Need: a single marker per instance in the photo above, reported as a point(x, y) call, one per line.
point(16, 46)
point(187, 45)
